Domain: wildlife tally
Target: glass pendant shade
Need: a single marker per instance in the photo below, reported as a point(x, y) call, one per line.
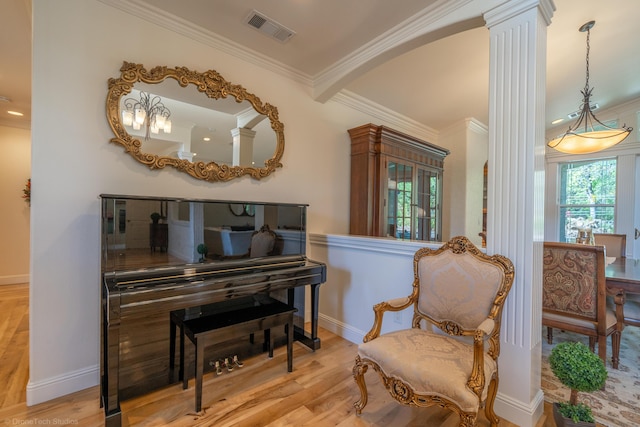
point(167, 126)
point(140, 115)
point(589, 142)
point(127, 117)
point(159, 119)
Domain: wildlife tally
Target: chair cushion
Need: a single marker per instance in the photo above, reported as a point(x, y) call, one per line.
point(458, 287)
point(583, 323)
point(438, 364)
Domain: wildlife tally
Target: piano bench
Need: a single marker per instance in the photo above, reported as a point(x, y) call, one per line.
point(218, 322)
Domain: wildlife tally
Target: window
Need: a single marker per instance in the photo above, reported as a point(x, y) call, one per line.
point(587, 197)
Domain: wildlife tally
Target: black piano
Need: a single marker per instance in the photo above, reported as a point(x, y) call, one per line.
point(166, 254)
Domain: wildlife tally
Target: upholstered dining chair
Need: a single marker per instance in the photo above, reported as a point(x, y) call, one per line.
point(450, 355)
point(615, 244)
point(574, 296)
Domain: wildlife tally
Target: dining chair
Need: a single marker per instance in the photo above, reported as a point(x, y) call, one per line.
point(574, 296)
point(615, 244)
point(449, 357)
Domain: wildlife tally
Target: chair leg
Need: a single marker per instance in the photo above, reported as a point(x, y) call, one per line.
point(549, 335)
point(468, 420)
point(592, 343)
point(488, 407)
point(615, 349)
point(359, 370)
point(602, 348)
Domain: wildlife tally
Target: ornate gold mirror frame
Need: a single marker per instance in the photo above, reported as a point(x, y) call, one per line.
point(214, 86)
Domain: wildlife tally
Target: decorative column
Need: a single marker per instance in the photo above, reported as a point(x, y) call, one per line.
point(626, 189)
point(242, 146)
point(515, 205)
point(196, 218)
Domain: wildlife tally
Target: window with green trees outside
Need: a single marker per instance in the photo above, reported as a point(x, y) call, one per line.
point(587, 197)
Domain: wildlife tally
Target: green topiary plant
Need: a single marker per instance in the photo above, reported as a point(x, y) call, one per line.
point(580, 369)
point(203, 251)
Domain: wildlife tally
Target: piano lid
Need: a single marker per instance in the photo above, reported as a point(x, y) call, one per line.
point(147, 234)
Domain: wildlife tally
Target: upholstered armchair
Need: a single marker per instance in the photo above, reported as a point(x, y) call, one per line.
point(263, 242)
point(574, 292)
point(450, 355)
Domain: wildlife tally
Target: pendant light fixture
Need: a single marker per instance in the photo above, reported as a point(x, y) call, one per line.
point(588, 134)
point(148, 111)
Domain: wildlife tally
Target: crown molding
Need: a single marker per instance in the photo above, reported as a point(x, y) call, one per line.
point(469, 123)
point(476, 126)
point(410, 29)
point(147, 12)
point(390, 117)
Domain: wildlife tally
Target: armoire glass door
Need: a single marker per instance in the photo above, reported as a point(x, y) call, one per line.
point(428, 205)
point(412, 202)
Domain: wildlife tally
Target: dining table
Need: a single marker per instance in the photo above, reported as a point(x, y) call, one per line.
point(623, 278)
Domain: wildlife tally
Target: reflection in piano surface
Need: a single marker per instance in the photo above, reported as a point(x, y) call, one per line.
point(204, 257)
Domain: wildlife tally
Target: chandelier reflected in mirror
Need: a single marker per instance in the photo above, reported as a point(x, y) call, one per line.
point(148, 111)
point(588, 134)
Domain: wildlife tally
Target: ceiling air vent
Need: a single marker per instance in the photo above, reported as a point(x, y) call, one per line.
point(269, 27)
point(575, 114)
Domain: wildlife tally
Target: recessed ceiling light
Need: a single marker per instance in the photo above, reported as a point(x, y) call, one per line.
point(556, 121)
point(15, 113)
point(206, 138)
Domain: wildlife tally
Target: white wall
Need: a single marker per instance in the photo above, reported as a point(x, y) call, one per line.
point(74, 162)
point(361, 272)
point(468, 141)
point(15, 169)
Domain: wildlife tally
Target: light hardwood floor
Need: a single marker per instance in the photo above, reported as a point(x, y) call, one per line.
point(319, 392)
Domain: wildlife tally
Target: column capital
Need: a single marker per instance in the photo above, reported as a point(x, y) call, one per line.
point(515, 8)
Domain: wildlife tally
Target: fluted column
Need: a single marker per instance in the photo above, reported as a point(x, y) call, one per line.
point(515, 215)
point(243, 146)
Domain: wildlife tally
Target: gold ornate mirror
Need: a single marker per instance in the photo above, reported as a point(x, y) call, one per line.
point(198, 123)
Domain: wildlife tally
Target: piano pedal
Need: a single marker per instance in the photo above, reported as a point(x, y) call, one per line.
point(228, 364)
point(236, 362)
point(216, 363)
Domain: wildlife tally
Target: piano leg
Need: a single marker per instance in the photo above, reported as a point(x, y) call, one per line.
point(310, 340)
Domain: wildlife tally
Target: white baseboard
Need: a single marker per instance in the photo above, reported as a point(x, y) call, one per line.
point(15, 279)
point(517, 412)
point(50, 388)
point(343, 330)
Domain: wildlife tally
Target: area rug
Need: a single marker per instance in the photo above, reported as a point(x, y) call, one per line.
point(618, 405)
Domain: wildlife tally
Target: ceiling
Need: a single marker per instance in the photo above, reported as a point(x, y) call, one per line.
point(437, 84)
